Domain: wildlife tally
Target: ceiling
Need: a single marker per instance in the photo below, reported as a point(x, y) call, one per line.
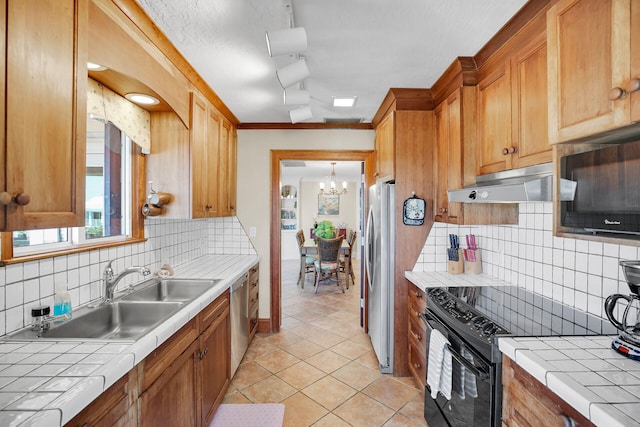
point(355, 47)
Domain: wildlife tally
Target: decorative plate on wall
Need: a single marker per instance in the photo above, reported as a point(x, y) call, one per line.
point(413, 211)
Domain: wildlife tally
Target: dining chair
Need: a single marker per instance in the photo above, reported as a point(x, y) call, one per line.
point(328, 262)
point(306, 261)
point(345, 259)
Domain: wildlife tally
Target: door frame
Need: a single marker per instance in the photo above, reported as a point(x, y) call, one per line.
point(366, 156)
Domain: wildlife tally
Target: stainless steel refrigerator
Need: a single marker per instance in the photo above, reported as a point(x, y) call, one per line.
point(379, 261)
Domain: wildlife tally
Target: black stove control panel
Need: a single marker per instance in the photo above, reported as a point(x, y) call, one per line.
point(470, 321)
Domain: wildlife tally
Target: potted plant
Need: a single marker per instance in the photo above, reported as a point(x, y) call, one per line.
point(325, 230)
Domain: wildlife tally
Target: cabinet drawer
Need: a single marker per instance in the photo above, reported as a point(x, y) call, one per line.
point(213, 310)
point(418, 333)
point(418, 365)
point(417, 298)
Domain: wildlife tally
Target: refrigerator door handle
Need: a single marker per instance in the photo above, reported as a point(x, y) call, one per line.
point(368, 247)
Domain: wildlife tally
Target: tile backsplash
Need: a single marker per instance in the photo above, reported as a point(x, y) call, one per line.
point(174, 242)
point(578, 273)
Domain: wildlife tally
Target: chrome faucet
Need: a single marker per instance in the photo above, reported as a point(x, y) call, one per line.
point(110, 280)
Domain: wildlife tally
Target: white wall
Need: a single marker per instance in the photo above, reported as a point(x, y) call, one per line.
point(254, 180)
point(579, 273)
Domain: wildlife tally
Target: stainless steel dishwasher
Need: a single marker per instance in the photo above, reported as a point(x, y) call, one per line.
point(239, 321)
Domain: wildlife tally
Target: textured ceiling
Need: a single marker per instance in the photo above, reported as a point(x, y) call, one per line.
point(355, 47)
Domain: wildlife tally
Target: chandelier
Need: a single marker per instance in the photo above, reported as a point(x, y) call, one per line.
point(332, 184)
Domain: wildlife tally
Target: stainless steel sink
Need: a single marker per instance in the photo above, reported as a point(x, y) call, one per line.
point(119, 320)
point(171, 289)
point(129, 317)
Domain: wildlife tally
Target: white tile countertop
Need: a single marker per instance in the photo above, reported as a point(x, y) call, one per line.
point(601, 384)
point(47, 383)
point(426, 280)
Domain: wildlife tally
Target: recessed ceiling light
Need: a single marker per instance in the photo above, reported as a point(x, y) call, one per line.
point(344, 102)
point(95, 67)
point(140, 98)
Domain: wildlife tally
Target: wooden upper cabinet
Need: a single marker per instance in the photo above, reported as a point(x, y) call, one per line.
point(205, 140)
point(385, 158)
point(512, 111)
point(494, 121)
point(227, 159)
point(45, 58)
point(455, 140)
point(589, 67)
point(529, 106)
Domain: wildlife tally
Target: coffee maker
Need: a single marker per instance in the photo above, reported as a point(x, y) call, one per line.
point(628, 342)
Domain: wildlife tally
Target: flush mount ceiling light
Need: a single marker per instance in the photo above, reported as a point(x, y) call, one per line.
point(296, 97)
point(141, 98)
point(293, 73)
point(95, 67)
point(300, 114)
point(344, 102)
point(332, 184)
point(282, 42)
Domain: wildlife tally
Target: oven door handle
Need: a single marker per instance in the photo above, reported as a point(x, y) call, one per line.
point(459, 358)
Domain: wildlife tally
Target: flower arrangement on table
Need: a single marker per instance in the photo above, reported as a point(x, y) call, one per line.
point(324, 229)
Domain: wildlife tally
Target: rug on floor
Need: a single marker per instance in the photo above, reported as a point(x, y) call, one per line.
point(249, 415)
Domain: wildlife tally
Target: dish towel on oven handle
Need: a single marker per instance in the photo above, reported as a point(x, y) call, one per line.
point(439, 371)
point(466, 384)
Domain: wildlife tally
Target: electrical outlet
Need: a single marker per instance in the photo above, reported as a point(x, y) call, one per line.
point(252, 232)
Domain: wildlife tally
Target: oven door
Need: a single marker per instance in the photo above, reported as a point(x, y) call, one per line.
point(473, 391)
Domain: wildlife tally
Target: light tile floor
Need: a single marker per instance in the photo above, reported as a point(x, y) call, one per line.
point(321, 365)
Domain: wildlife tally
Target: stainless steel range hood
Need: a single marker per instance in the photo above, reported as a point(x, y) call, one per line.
point(530, 184)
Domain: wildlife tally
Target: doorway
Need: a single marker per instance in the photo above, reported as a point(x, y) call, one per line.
point(277, 156)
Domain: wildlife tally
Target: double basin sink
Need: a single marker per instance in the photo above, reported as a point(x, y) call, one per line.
point(128, 317)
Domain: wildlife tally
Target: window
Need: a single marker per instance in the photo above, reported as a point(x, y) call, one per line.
point(108, 195)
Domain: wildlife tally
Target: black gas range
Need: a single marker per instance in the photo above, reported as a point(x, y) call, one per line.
point(472, 319)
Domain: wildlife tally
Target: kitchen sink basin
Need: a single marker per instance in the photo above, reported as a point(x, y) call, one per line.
point(171, 289)
point(118, 320)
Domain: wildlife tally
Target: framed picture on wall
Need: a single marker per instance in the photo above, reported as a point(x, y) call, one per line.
point(328, 204)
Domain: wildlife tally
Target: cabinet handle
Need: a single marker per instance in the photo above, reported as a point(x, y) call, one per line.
point(509, 150)
point(443, 210)
point(207, 207)
point(418, 295)
point(633, 85)
point(617, 93)
point(417, 365)
point(418, 336)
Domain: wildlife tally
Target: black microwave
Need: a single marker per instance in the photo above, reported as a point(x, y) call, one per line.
point(607, 197)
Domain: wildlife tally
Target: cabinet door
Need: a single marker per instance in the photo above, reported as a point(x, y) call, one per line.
point(172, 400)
point(442, 161)
point(199, 170)
point(385, 157)
point(215, 363)
point(494, 121)
point(254, 298)
point(46, 90)
point(589, 55)
point(224, 171)
point(455, 172)
point(529, 100)
point(212, 179)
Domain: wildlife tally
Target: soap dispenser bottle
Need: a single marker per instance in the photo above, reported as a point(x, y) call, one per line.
point(62, 302)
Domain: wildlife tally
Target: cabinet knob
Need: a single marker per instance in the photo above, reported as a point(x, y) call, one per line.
point(417, 365)
point(617, 93)
point(418, 295)
point(5, 198)
point(207, 207)
point(509, 150)
point(633, 85)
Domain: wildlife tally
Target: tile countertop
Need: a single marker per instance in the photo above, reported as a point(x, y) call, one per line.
point(47, 383)
point(585, 372)
point(426, 280)
point(601, 384)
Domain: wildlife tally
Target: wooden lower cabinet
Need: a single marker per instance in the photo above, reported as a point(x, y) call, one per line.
point(116, 407)
point(529, 403)
point(417, 336)
point(254, 285)
point(181, 383)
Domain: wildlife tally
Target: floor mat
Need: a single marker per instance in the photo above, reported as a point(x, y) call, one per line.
point(249, 415)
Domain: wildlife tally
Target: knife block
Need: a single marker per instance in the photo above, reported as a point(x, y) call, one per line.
point(456, 267)
point(474, 267)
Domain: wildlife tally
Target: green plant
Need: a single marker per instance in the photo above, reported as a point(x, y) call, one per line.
point(325, 230)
